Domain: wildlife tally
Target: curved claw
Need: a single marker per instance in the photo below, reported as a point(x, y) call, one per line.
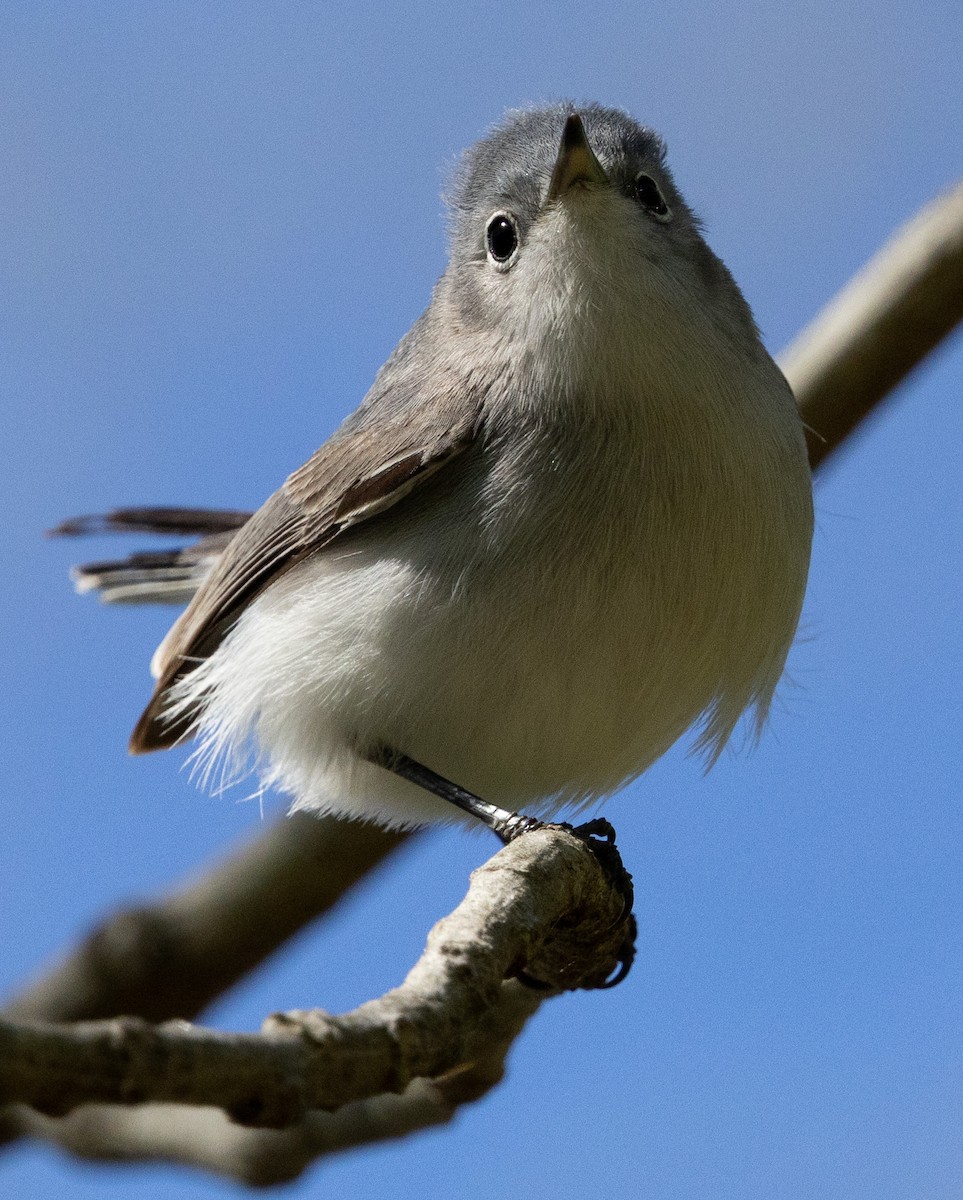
point(626, 956)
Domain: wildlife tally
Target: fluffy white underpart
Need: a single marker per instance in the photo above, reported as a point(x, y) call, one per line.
point(613, 563)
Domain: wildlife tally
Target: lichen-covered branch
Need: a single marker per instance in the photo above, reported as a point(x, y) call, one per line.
point(542, 905)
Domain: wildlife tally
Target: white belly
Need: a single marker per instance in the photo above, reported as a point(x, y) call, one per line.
point(540, 656)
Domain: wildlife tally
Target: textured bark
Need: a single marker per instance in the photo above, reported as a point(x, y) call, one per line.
point(207, 1139)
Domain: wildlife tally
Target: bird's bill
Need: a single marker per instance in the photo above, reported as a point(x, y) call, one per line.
point(576, 163)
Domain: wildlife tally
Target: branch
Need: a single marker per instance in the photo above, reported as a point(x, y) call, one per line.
point(542, 905)
point(898, 308)
point(208, 1140)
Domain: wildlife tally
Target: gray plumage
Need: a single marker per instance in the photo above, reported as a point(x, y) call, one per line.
point(570, 520)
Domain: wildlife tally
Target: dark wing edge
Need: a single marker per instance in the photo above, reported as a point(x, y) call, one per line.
point(351, 479)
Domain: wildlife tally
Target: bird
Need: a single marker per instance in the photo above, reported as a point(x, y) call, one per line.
point(570, 521)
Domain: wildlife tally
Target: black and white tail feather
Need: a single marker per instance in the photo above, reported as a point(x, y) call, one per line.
point(169, 576)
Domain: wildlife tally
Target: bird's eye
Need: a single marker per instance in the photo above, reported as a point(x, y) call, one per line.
point(501, 237)
point(645, 191)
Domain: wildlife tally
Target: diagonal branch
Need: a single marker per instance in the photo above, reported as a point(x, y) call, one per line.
point(897, 309)
point(172, 958)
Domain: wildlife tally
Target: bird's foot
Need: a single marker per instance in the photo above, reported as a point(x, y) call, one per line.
point(599, 836)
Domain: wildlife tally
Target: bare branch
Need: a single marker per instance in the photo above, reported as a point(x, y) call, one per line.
point(207, 1139)
point(899, 307)
point(542, 905)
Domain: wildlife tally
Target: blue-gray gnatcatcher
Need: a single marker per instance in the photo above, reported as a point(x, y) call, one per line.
point(570, 520)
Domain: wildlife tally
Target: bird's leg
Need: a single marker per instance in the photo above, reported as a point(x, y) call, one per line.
point(598, 835)
point(504, 824)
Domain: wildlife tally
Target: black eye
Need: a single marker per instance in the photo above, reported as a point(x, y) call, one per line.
point(646, 192)
point(501, 236)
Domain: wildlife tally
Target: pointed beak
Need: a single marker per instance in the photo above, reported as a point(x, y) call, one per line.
point(575, 163)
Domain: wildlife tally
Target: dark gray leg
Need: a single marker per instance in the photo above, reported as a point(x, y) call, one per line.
point(504, 824)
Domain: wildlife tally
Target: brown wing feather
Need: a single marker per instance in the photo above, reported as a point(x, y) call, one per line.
point(350, 479)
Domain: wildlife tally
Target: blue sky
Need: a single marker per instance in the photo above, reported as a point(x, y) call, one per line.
point(217, 220)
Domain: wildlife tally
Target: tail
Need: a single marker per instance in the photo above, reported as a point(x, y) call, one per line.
point(156, 576)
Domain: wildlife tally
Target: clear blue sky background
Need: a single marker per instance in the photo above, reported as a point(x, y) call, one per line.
point(215, 221)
